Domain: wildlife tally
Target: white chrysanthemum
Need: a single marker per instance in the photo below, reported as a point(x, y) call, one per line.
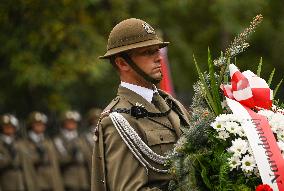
point(250, 152)
point(233, 127)
point(281, 145)
point(239, 147)
point(234, 162)
point(248, 163)
point(280, 135)
point(217, 126)
point(223, 135)
point(276, 122)
point(241, 132)
point(266, 113)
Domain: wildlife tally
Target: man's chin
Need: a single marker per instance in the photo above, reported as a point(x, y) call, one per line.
point(158, 77)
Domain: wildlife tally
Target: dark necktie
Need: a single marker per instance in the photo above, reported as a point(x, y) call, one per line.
point(160, 103)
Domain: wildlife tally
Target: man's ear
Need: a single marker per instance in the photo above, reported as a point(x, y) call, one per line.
point(122, 64)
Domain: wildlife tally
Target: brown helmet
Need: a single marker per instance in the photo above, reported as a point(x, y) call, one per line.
point(71, 115)
point(36, 117)
point(130, 34)
point(9, 119)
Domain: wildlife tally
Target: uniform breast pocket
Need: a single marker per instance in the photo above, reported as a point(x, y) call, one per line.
point(161, 140)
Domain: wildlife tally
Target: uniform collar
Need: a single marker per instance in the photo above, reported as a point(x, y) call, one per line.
point(7, 139)
point(36, 137)
point(69, 135)
point(146, 93)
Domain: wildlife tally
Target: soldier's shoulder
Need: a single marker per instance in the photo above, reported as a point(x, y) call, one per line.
point(117, 102)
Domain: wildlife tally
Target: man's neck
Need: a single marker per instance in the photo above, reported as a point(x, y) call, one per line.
point(146, 93)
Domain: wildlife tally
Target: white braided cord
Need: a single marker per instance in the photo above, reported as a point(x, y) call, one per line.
point(132, 140)
point(138, 141)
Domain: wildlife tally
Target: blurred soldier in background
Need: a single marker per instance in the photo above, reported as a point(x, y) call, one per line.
point(14, 168)
point(92, 119)
point(46, 173)
point(72, 153)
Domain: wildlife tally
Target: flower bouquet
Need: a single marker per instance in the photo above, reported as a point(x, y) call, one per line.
point(236, 136)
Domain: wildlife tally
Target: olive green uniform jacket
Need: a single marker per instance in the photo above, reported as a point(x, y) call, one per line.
point(46, 173)
point(115, 168)
point(74, 162)
point(15, 167)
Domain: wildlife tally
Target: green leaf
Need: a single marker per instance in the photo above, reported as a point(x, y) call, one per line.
point(259, 67)
point(277, 87)
point(271, 77)
point(208, 95)
point(214, 86)
point(204, 174)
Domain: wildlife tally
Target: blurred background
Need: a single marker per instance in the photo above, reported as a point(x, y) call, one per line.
point(49, 49)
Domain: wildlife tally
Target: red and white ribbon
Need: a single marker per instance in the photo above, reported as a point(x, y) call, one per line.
point(250, 91)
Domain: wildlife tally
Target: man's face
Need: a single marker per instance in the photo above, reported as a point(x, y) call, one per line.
point(38, 127)
point(149, 60)
point(70, 124)
point(8, 129)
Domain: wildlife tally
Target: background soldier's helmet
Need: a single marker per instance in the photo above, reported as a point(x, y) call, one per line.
point(71, 115)
point(9, 119)
point(36, 117)
point(94, 115)
point(130, 34)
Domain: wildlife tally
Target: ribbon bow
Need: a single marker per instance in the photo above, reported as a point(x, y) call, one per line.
point(248, 89)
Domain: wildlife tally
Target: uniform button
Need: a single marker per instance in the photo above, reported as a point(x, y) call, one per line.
point(161, 138)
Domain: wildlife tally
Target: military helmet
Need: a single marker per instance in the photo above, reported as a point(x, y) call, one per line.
point(71, 115)
point(9, 119)
point(36, 116)
point(130, 34)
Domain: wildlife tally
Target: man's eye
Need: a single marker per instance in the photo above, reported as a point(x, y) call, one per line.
point(151, 52)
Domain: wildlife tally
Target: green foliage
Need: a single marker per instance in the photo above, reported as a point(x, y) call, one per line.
point(259, 67)
point(271, 77)
point(212, 94)
point(277, 87)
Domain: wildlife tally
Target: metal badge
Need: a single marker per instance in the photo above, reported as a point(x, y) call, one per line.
point(148, 28)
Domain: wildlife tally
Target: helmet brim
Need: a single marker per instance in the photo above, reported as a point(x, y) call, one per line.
point(117, 50)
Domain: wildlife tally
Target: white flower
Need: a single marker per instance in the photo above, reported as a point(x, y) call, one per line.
point(241, 132)
point(225, 117)
point(248, 164)
point(234, 162)
point(233, 127)
point(239, 147)
point(281, 145)
point(266, 113)
point(218, 126)
point(277, 122)
point(223, 135)
point(280, 135)
point(250, 151)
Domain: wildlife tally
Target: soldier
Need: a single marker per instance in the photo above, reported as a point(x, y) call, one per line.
point(12, 156)
point(142, 123)
point(42, 153)
point(73, 154)
point(92, 120)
